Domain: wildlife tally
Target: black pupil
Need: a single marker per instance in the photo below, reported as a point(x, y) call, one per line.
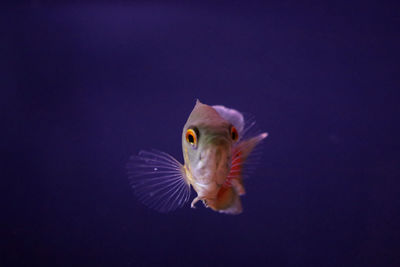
point(191, 138)
point(233, 135)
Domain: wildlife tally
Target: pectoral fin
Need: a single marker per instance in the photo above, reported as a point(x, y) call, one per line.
point(158, 180)
point(228, 198)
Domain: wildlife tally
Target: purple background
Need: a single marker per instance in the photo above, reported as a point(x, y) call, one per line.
point(84, 86)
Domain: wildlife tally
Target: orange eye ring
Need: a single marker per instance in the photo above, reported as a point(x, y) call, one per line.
point(234, 134)
point(191, 137)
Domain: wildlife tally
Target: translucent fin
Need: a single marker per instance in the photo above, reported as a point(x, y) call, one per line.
point(158, 180)
point(231, 115)
point(250, 128)
point(247, 154)
point(228, 198)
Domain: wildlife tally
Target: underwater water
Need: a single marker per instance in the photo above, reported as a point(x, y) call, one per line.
point(85, 86)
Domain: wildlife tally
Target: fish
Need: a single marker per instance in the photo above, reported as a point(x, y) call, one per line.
point(217, 143)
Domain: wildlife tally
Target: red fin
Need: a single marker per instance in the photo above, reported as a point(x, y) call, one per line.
point(228, 198)
point(236, 168)
point(234, 178)
point(240, 154)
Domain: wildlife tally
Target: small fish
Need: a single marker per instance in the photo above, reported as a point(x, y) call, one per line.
point(216, 143)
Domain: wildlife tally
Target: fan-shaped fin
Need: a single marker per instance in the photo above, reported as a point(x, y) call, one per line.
point(158, 180)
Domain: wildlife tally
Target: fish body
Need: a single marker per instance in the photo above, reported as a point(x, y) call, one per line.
point(215, 148)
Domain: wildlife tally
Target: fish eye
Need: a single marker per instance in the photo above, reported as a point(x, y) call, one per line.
point(234, 134)
point(191, 137)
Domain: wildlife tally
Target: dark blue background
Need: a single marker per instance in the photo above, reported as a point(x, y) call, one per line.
point(84, 86)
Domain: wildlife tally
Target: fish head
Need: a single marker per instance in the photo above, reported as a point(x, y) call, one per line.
point(207, 144)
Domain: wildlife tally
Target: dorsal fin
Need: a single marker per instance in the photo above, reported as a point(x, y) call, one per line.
point(231, 115)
